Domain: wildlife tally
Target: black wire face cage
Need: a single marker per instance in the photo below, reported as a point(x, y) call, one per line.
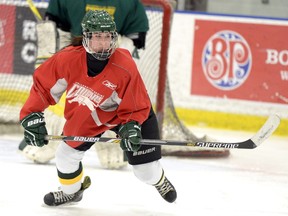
point(104, 53)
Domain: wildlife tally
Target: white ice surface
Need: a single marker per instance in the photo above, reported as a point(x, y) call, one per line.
point(247, 183)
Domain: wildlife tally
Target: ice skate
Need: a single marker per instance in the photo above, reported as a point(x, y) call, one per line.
point(59, 197)
point(166, 189)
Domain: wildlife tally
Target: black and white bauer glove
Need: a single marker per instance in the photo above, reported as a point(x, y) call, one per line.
point(130, 134)
point(35, 129)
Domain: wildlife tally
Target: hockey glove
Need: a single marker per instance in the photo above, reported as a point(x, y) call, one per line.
point(130, 134)
point(35, 129)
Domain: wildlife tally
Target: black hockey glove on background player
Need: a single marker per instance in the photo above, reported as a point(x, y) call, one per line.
point(35, 129)
point(130, 134)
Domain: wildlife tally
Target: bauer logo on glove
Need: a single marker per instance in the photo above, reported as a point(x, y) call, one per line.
point(35, 121)
point(35, 129)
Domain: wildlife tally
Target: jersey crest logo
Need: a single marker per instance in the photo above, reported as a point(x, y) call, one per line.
point(84, 96)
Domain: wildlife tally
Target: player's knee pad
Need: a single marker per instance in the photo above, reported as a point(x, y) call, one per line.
point(68, 158)
point(150, 173)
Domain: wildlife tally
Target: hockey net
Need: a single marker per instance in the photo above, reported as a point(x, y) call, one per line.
point(18, 45)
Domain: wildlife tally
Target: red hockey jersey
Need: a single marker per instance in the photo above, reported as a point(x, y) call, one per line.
point(93, 104)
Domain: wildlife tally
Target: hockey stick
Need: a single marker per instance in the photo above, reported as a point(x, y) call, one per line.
point(34, 10)
point(266, 131)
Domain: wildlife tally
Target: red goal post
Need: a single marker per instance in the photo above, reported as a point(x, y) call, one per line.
point(167, 7)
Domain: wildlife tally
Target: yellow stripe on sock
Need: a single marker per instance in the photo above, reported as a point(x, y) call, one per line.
point(71, 181)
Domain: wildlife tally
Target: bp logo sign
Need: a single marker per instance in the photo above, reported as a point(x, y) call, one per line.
point(226, 60)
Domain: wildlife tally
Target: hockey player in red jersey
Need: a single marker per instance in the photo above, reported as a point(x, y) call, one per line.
point(104, 91)
point(61, 23)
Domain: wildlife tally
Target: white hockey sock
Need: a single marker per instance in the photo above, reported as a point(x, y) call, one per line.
point(150, 173)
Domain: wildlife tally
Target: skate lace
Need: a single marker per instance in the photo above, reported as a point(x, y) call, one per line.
point(164, 188)
point(60, 197)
